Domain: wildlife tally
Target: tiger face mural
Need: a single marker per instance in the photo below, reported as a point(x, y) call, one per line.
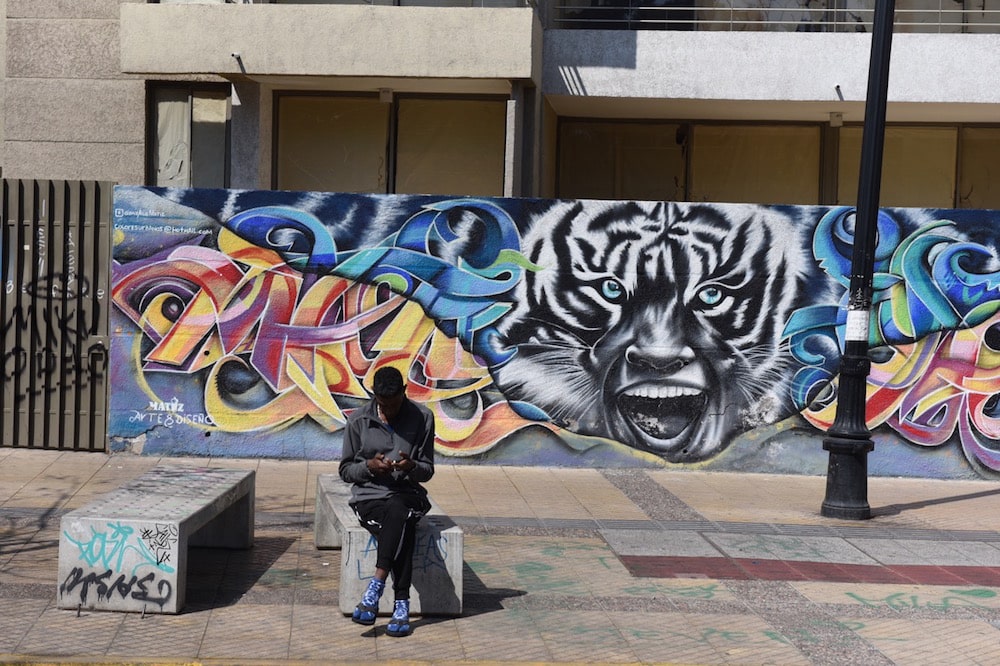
point(579, 333)
point(657, 325)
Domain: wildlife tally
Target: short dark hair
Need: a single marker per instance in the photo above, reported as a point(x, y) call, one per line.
point(387, 383)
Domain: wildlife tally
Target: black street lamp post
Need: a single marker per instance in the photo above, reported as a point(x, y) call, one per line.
point(848, 439)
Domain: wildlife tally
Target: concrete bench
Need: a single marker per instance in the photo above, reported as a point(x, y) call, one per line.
point(437, 559)
point(127, 550)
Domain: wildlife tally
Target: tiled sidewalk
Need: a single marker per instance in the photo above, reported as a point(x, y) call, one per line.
point(561, 565)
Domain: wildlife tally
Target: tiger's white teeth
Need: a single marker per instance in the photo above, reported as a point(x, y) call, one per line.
point(662, 391)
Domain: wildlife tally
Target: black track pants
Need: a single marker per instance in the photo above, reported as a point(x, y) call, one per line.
point(393, 523)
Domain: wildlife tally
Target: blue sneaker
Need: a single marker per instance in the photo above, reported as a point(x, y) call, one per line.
point(399, 624)
point(366, 611)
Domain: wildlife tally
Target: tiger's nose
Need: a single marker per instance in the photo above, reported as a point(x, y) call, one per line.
point(667, 360)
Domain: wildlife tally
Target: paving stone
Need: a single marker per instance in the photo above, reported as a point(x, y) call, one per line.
point(553, 572)
point(907, 641)
point(778, 547)
point(659, 542)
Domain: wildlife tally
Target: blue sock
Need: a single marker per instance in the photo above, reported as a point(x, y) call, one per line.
point(399, 624)
point(368, 608)
point(374, 592)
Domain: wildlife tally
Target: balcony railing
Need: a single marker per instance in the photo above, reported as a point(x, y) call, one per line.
point(944, 16)
point(927, 16)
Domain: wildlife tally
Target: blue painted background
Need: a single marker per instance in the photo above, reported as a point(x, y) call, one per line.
point(549, 332)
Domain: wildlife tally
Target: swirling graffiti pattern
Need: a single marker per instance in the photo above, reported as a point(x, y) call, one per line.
point(279, 313)
point(936, 335)
point(284, 325)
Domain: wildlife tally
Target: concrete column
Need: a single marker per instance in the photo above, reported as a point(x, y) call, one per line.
point(511, 153)
point(521, 151)
point(3, 79)
point(245, 137)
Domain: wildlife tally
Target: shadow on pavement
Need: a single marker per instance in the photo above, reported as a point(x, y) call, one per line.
point(477, 598)
point(219, 577)
point(28, 530)
point(896, 509)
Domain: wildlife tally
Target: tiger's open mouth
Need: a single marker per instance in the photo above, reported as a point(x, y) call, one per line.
point(662, 411)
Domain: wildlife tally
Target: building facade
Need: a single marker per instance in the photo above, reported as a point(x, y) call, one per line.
point(620, 231)
point(714, 100)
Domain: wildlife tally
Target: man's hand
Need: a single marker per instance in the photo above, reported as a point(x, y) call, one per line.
point(379, 465)
point(404, 464)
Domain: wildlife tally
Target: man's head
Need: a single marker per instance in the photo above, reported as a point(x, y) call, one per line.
point(389, 390)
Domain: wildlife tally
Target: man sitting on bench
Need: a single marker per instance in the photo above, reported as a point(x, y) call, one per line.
point(388, 451)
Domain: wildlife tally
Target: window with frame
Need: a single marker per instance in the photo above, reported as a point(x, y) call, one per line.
point(189, 139)
point(410, 145)
point(615, 160)
point(918, 166)
point(979, 168)
point(766, 164)
point(946, 166)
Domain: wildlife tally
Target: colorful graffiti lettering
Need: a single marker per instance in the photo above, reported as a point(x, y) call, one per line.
point(936, 336)
point(618, 328)
point(279, 345)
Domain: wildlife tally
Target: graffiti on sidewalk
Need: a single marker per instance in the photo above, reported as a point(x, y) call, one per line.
point(702, 591)
point(817, 632)
point(943, 601)
point(773, 546)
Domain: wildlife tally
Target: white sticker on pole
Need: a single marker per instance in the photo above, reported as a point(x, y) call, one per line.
point(857, 326)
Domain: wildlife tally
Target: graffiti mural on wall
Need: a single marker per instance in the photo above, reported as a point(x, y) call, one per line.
point(542, 331)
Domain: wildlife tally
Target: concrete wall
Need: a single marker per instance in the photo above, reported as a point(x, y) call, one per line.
point(775, 76)
point(332, 40)
point(251, 137)
point(3, 77)
point(69, 112)
point(74, 80)
point(580, 333)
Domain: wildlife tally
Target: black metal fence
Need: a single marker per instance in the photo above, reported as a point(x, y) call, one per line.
point(56, 248)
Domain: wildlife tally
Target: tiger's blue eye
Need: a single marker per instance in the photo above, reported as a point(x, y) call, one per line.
point(612, 290)
point(710, 295)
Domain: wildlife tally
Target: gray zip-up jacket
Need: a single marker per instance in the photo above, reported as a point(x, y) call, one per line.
point(365, 435)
